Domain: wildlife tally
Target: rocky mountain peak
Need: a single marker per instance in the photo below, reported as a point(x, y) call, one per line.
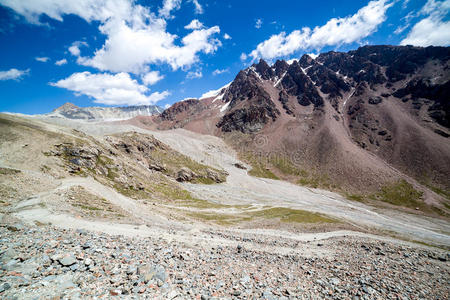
point(66, 106)
point(264, 70)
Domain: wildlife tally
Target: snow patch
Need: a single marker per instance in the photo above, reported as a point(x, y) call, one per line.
point(213, 93)
point(279, 80)
point(313, 56)
point(225, 106)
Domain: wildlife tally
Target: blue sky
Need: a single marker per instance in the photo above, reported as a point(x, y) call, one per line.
point(124, 52)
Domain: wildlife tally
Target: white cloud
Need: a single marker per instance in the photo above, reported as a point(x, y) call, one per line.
point(118, 89)
point(61, 62)
point(431, 30)
point(218, 71)
point(89, 10)
point(135, 37)
point(167, 106)
point(258, 23)
point(151, 78)
point(195, 24)
point(13, 74)
point(193, 75)
point(42, 59)
point(336, 31)
point(198, 7)
point(168, 6)
point(227, 36)
point(243, 56)
point(75, 48)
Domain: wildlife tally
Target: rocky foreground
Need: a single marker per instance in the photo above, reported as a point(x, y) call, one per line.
point(47, 262)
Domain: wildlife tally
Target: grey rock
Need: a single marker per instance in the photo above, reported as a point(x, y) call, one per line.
point(67, 260)
point(4, 287)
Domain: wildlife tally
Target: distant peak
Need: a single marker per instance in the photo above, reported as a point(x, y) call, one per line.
point(66, 106)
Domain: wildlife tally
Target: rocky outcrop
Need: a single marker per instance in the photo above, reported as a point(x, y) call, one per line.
point(178, 108)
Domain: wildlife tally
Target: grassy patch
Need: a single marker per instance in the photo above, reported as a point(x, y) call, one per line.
point(289, 215)
point(8, 171)
point(285, 215)
point(439, 191)
point(171, 191)
point(400, 193)
point(355, 197)
point(220, 219)
point(87, 207)
point(259, 166)
point(131, 192)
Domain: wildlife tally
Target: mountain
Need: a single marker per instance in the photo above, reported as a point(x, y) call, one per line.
point(71, 111)
point(355, 121)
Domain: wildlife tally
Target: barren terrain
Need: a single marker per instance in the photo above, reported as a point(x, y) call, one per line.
point(280, 239)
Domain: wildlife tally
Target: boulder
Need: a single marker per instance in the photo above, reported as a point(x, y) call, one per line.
point(185, 174)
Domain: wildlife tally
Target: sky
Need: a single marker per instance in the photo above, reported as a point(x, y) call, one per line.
point(126, 52)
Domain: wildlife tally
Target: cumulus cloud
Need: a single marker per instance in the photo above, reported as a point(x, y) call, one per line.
point(135, 37)
point(151, 78)
point(195, 24)
point(42, 59)
point(118, 89)
point(13, 74)
point(433, 29)
point(218, 71)
point(227, 36)
point(61, 62)
point(336, 31)
point(194, 74)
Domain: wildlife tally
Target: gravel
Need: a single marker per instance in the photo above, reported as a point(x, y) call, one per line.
point(47, 262)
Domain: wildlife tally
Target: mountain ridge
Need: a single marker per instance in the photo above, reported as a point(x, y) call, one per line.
point(360, 119)
point(95, 113)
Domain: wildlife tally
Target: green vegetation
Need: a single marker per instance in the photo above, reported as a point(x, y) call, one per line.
point(259, 167)
point(8, 171)
point(439, 191)
point(355, 197)
point(131, 192)
point(262, 164)
point(285, 215)
point(87, 207)
point(220, 219)
point(400, 193)
point(171, 191)
point(289, 215)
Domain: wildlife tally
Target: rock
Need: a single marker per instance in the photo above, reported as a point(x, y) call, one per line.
point(172, 295)
point(334, 281)
point(214, 176)
point(240, 166)
point(157, 167)
point(185, 174)
point(4, 287)
point(16, 227)
point(88, 262)
point(67, 260)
